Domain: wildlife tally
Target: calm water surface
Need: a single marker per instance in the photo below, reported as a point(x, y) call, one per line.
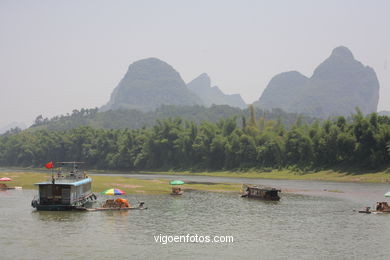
point(314, 224)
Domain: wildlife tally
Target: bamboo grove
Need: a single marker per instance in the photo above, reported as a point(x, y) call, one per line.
point(230, 144)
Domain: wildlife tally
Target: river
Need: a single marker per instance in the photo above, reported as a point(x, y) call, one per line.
point(316, 221)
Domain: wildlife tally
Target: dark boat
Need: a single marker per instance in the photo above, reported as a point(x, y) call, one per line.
point(64, 190)
point(260, 192)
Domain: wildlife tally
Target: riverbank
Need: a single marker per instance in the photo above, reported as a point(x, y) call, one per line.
point(325, 175)
point(132, 185)
point(339, 175)
point(26, 179)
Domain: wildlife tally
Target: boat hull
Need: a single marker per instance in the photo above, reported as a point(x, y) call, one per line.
point(261, 198)
point(179, 193)
point(54, 207)
point(11, 188)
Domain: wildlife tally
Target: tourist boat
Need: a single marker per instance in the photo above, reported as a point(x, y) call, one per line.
point(64, 190)
point(260, 192)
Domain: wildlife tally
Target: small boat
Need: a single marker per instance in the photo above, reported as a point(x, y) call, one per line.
point(64, 190)
point(176, 191)
point(260, 192)
point(109, 209)
point(381, 207)
point(5, 187)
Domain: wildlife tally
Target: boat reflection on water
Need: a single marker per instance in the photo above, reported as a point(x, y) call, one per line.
point(58, 216)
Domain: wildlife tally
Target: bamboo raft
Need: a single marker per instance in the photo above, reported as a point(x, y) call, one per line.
point(108, 209)
point(111, 205)
point(5, 187)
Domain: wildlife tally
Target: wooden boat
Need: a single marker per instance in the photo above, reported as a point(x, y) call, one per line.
point(260, 192)
point(4, 186)
point(381, 207)
point(65, 190)
point(176, 191)
point(108, 209)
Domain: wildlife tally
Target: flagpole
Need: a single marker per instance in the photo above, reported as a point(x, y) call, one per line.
point(52, 175)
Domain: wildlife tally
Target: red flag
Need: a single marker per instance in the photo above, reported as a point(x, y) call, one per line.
point(49, 165)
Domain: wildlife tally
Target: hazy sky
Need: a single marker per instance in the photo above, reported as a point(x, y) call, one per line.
point(56, 56)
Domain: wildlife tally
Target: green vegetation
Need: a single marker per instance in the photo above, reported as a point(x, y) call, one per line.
point(135, 119)
point(174, 144)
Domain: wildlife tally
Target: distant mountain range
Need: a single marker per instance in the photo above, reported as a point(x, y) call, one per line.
point(201, 86)
point(337, 87)
point(151, 83)
point(152, 89)
point(147, 85)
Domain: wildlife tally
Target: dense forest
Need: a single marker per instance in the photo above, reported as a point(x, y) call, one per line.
point(173, 143)
point(133, 119)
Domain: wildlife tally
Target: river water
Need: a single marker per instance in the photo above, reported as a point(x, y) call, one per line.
point(315, 220)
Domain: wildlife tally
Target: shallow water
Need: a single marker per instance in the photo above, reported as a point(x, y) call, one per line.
point(315, 224)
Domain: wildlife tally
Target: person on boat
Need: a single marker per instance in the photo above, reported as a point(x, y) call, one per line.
point(122, 203)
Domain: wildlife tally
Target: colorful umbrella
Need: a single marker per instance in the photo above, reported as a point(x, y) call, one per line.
point(5, 179)
point(113, 192)
point(387, 194)
point(176, 182)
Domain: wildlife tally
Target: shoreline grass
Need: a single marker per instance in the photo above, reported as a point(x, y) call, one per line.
point(324, 175)
point(129, 185)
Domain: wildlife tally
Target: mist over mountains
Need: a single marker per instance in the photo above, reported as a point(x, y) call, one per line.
point(147, 85)
point(201, 86)
point(151, 83)
point(337, 86)
point(11, 125)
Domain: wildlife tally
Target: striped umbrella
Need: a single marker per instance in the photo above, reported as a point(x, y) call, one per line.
point(113, 192)
point(5, 179)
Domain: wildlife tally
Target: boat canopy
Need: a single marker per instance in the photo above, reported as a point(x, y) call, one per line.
point(66, 182)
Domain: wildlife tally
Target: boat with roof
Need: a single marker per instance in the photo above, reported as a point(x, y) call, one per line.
point(66, 189)
point(260, 192)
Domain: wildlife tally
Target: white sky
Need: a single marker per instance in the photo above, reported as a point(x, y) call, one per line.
point(56, 56)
